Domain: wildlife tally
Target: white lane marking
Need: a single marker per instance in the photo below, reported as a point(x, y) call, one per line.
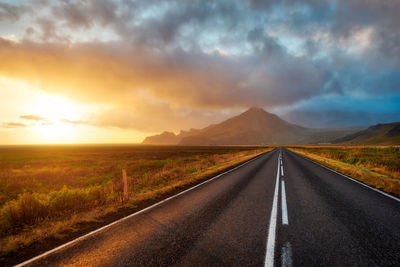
point(285, 220)
point(281, 169)
point(286, 256)
point(132, 215)
point(352, 179)
point(269, 255)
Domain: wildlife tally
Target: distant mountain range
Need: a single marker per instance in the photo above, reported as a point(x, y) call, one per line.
point(256, 126)
point(335, 118)
point(383, 134)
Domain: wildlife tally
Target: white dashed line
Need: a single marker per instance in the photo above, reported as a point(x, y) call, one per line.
point(286, 256)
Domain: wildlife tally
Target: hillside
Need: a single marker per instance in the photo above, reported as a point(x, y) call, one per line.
point(335, 118)
point(380, 134)
point(165, 138)
point(253, 127)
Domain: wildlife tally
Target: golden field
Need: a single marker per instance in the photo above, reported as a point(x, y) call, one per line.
point(46, 190)
point(377, 166)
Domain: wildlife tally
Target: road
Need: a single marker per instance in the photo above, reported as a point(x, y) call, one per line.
point(277, 210)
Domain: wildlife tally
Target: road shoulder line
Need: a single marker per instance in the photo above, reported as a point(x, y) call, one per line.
point(352, 179)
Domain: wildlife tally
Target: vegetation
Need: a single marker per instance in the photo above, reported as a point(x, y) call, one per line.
point(45, 190)
point(377, 166)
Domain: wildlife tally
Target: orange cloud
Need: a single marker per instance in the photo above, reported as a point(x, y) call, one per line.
point(13, 125)
point(111, 73)
point(32, 117)
point(154, 87)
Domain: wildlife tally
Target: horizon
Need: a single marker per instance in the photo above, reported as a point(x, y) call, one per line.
point(115, 72)
point(105, 143)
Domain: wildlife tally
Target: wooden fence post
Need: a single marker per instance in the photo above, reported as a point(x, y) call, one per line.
point(125, 185)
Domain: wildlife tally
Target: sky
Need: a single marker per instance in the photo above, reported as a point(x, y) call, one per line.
point(96, 71)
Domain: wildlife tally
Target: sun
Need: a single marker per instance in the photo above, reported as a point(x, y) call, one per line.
point(57, 112)
point(45, 117)
point(56, 133)
point(56, 108)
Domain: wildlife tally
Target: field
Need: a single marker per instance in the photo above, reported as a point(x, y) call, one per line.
point(46, 190)
point(377, 166)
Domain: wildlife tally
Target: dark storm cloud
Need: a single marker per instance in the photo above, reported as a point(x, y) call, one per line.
point(12, 13)
point(86, 13)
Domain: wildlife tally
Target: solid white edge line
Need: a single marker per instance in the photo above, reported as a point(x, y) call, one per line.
point(134, 214)
point(269, 255)
point(352, 179)
point(285, 220)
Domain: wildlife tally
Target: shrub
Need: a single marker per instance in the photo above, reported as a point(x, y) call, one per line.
point(27, 209)
point(66, 199)
point(69, 200)
point(31, 208)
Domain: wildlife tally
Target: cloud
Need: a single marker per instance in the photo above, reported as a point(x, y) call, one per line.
point(115, 72)
point(152, 61)
point(12, 13)
point(13, 125)
point(76, 122)
point(32, 117)
point(163, 117)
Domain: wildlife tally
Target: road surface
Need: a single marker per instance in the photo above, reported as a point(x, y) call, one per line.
point(277, 210)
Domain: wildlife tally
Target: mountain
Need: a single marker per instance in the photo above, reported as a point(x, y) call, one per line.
point(336, 118)
point(253, 127)
point(380, 134)
point(165, 138)
point(168, 138)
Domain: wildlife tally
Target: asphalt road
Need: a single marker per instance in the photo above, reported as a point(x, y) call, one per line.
point(277, 210)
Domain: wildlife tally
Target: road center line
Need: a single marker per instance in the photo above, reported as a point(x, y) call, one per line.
point(269, 255)
point(281, 169)
point(285, 220)
point(286, 256)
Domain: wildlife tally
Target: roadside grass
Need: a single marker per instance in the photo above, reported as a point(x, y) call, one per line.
point(377, 166)
point(45, 191)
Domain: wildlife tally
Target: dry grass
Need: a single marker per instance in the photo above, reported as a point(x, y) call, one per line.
point(377, 166)
point(44, 188)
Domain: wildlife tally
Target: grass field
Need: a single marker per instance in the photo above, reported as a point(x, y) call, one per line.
point(45, 190)
point(377, 166)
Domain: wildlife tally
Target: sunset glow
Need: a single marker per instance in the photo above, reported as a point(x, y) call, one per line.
point(117, 71)
point(199, 133)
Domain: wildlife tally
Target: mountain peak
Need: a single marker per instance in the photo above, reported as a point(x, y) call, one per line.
point(253, 127)
point(257, 112)
point(252, 109)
